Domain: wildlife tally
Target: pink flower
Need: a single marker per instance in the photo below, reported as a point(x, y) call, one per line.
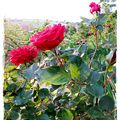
point(23, 54)
point(49, 38)
point(94, 7)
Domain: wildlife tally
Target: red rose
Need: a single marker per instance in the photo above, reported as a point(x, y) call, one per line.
point(49, 38)
point(23, 54)
point(94, 7)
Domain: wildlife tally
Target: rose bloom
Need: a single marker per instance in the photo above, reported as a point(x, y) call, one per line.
point(49, 38)
point(94, 7)
point(23, 54)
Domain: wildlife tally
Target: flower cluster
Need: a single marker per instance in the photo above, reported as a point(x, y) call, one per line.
point(47, 39)
point(94, 7)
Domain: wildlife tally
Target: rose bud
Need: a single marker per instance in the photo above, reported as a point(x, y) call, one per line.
point(111, 57)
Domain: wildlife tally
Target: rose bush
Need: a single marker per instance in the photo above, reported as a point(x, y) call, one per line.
point(74, 80)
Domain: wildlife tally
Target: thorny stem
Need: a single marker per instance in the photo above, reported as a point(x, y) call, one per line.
point(96, 38)
point(108, 80)
point(25, 80)
point(92, 57)
point(96, 35)
point(58, 58)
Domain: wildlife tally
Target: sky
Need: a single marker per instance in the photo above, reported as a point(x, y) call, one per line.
point(68, 10)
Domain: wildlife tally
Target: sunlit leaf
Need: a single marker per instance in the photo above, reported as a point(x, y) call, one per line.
point(54, 75)
point(74, 70)
point(65, 114)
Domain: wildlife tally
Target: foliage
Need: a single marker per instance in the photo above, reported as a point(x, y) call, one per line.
point(76, 82)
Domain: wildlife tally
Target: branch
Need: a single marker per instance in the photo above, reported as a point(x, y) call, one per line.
point(58, 58)
point(96, 38)
point(92, 57)
point(108, 80)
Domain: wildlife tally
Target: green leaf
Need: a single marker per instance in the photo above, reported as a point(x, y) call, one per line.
point(76, 100)
point(29, 113)
point(84, 71)
point(100, 27)
point(94, 77)
point(65, 56)
point(82, 49)
point(10, 68)
point(51, 110)
point(86, 20)
point(43, 92)
point(94, 112)
point(74, 71)
point(14, 115)
point(29, 73)
point(7, 106)
point(65, 114)
point(14, 75)
point(107, 103)
point(44, 117)
point(101, 19)
point(75, 60)
point(82, 107)
point(55, 75)
point(19, 101)
point(54, 87)
point(95, 90)
point(23, 97)
point(12, 87)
